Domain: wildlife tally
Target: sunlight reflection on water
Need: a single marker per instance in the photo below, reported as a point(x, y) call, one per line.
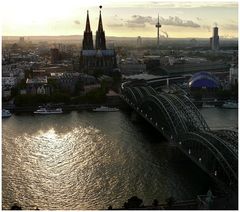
point(89, 161)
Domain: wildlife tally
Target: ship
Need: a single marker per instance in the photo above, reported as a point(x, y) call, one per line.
point(230, 105)
point(105, 109)
point(6, 113)
point(204, 105)
point(46, 111)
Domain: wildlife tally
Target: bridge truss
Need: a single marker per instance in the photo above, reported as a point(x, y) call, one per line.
point(179, 120)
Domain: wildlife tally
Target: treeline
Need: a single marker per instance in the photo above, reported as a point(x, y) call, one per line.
point(97, 95)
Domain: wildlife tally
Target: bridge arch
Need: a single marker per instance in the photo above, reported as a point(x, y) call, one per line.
point(178, 119)
point(130, 95)
point(202, 124)
point(212, 157)
point(160, 115)
point(138, 93)
point(192, 115)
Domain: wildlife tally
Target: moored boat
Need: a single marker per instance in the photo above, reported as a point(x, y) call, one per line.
point(204, 105)
point(230, 105)
point(6, 113)
point(105, 109)
point(46, 111)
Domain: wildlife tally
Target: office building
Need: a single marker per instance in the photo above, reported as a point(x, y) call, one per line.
point(214, 40)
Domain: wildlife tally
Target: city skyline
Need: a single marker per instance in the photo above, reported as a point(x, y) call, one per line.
point(179, 19)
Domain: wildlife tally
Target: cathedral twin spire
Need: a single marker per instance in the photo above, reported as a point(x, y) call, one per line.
point(87, 40)
point(100, 36)
point(88, 28)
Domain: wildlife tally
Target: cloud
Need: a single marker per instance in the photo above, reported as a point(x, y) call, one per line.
point(76, 22)
point(162, 4)
point(176, 21)
point(115, 25)
point(141, 21)
point(208, 28)
point(192, 4)
point(135, 25)
point(199, 19)
point(232, 27)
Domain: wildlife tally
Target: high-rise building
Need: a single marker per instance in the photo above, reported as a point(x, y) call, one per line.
point(98, 58)
point(55, 55)
point(214, 40)
point(139, 41)
point(21, 39)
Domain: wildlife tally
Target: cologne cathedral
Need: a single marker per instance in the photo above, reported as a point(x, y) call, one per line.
point(98, 58)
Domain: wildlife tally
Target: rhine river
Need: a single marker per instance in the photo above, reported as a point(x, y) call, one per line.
point(86, 160)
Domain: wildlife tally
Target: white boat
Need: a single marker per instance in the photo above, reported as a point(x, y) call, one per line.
point(230, 105)
point(6, 113)
point(204, 105)
point(105, 109)
point(45, 111)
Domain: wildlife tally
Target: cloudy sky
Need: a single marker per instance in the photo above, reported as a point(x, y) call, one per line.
point(126, 18)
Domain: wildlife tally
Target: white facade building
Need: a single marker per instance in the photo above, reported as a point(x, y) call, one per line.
point(233, 75)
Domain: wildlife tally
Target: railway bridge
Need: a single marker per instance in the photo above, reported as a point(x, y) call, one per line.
point(180, 121)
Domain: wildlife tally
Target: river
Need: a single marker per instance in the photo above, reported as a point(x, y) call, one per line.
point(86, 160)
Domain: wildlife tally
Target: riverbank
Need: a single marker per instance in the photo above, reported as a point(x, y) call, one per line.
point(66, 108)
point(116, 102)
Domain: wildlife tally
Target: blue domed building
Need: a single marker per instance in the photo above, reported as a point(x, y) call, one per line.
point(204, 80)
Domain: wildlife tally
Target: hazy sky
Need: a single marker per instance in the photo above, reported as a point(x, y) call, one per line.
point(126, 18)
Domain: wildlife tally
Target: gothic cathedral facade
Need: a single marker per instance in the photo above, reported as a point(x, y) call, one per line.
point(98, 58)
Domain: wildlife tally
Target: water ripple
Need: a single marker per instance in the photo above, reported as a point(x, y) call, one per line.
point(85, 161)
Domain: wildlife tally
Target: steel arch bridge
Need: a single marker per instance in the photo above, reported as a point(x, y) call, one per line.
point(179, 121)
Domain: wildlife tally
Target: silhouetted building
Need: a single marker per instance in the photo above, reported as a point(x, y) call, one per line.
point(38, 85)
point(139, 41)
point(100, 35)
point(21, 40)
point(233, 71)
point(55, 55)
point(214, 40)
point(98, 58)
point(87, 40)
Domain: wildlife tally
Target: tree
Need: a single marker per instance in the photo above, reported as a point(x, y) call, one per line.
point(170, 201)
point(155, 202)
point(133, 202)
point(16, 207)
point(96, 96)
point(78, 87)
point(97, 73)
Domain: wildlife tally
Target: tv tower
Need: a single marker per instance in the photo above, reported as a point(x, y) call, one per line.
point(158, 25)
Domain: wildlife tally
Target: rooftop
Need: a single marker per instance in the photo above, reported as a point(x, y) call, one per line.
point(39, 71)
point(39, 80)
point(108, 52)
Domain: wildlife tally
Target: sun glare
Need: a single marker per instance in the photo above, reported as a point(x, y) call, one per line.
point(52, 17)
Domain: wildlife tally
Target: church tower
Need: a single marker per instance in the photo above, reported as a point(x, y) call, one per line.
point(98, 58)
point(87, 39)
point(100, 35)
